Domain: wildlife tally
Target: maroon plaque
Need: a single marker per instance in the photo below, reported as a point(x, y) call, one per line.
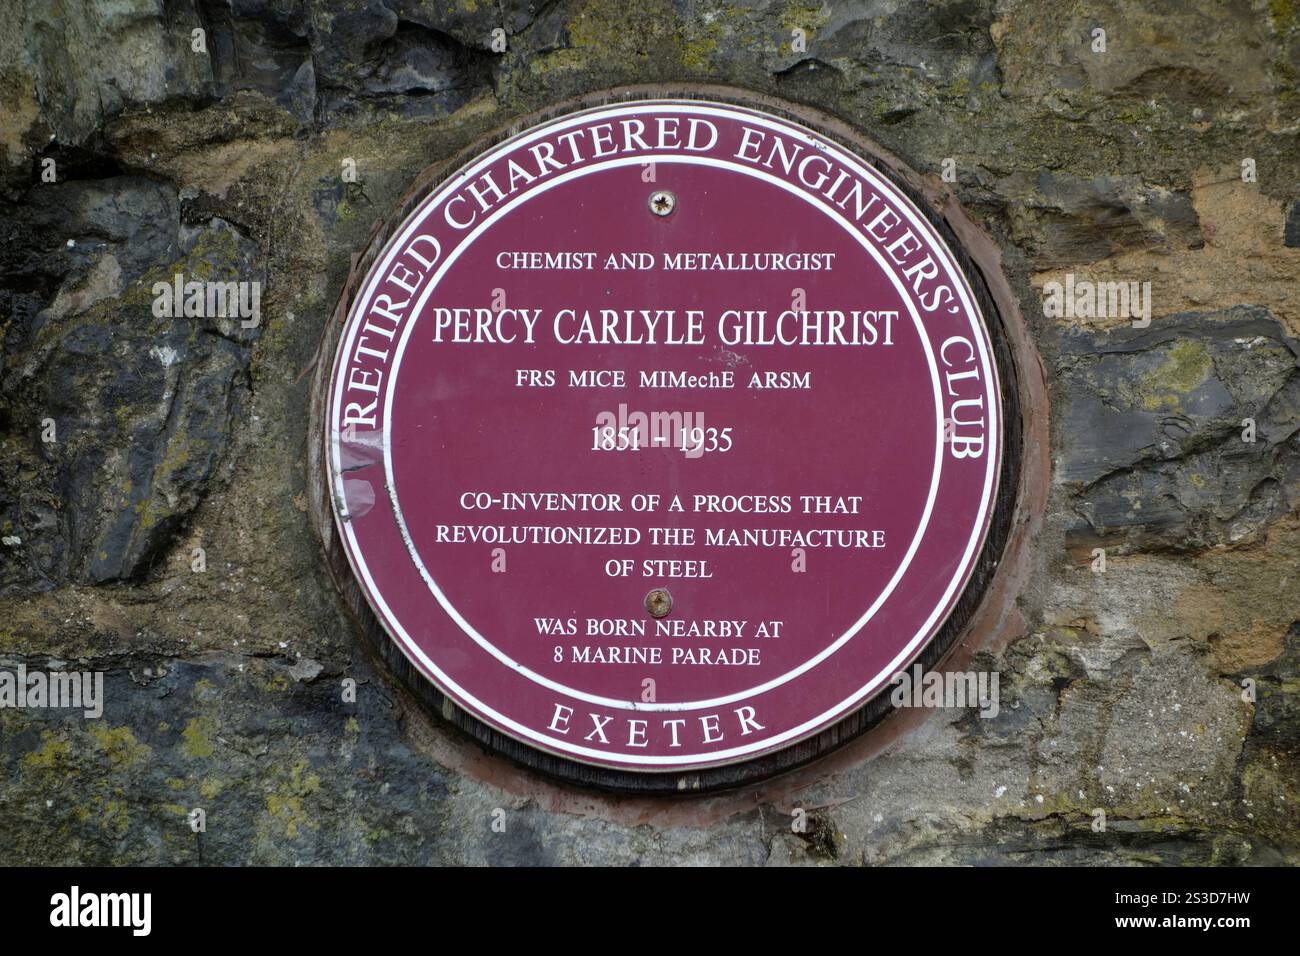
point(663, 435)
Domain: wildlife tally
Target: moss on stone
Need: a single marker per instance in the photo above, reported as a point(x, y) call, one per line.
point(119, 745)
point(53, 754)
point(698, 48)
point(1283, 14)
point(198, 737)
point(286, 806)
point(1187, 366)
point(809, 17)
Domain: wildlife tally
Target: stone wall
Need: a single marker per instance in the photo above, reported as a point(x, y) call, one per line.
point(1121, 690)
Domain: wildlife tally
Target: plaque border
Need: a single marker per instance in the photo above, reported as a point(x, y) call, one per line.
point(1013, 353)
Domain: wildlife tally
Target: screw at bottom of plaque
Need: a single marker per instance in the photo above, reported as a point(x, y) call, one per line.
point(659, 602)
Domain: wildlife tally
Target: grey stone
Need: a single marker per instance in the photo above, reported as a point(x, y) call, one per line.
point(266, 47)
point(306, 669)
point(1153, 450)
point(394, 53)
point(93, 60)
point(142, 406)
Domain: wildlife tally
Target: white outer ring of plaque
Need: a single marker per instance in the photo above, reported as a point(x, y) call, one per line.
point(414, 652)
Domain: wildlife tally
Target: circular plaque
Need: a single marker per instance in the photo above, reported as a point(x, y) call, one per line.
point(662, 435)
